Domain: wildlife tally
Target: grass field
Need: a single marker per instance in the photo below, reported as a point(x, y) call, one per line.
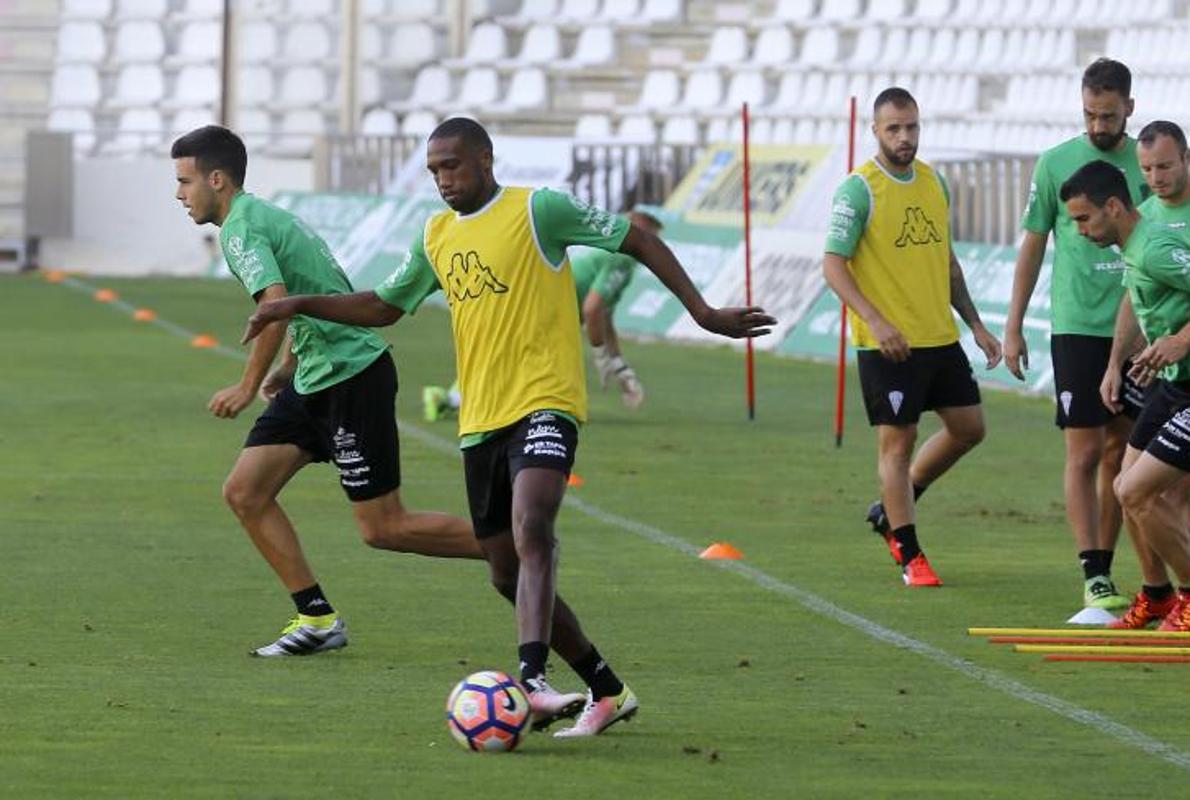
point(131, 597)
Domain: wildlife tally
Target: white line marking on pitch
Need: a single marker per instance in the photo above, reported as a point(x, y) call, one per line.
point(821, 606)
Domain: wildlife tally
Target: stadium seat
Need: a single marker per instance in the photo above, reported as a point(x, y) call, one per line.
point(813, 89)
point(966, 48)
point(295, 135)
point(371, 43)
point(991, 48)
point(78, 121)
point(199, 42)
point(254, 85)
point(417, 9)
point(729, 46)
point(782, 131)
point(533, 11)
point(138, 129)
point(840, 10)
point(661, 11)
point(718, 131)
point(542, 45)
point(306, 42)
point(257, 42)
point(74, 85)
point(703, 90)
point(81, 41)
point(919, 47)
point(618, 11)
point(932, 11)
point(302, 86)
point(798, 11)
point(188, 119)
point(760, 131)
point(789, 93)
point(379, 122)
point(820, 47)
point(138, 85)
point(480, 88)
point(528, 89)
point(311, 9)
point(578, 10)
point(86, 9)
point(432, 87)
point(367, 86)
point(896, 45)
point(869, 45)
point(680, 131)
point(419, 123)
point(636, 129)
point(196, 85)
point(255, 126)
point(834, 93)
point(195, 10)
point(1036, 12)
point(746, 86)
point(596, 46)
point(141, 9)
point(487, 44)
point(803, 131)
point(774, 47)
point(885, 11)
point(660, 90)
point(138, 40)
point(966, 11)
point(942, 48)
point(412, 44)
point(593, 128)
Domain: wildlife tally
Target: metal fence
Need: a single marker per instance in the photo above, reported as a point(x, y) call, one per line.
point(619, 176)
point(358, 163)
point(988, 195)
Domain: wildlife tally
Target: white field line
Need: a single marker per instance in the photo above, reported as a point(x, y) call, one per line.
point(1100, 724)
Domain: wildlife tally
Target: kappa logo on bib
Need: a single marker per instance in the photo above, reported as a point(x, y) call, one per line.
point(918, 228)
point(469, 277)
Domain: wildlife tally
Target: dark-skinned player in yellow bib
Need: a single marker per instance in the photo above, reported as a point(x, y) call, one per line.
point(499, 255)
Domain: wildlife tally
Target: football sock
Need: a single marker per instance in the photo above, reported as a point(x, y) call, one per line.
point(532, 656)
point(1108, 555)
point(1094, 564)
point(1157, 592)
point(596, 673)
point(906, 536)
point(918, 491)
point(312, 602)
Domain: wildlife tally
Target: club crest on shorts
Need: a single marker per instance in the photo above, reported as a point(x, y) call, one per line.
point(895, 399)
point(1065, 398)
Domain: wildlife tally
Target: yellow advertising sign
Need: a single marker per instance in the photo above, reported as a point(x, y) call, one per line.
point(713, 191)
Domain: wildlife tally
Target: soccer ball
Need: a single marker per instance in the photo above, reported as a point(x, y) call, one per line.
point(487, 711)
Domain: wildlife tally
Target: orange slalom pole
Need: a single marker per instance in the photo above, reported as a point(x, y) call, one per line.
point(841, 384)
point(749, 357)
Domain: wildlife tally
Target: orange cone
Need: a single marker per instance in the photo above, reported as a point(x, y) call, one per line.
point(105, 295)
point(575, 481)
point(204, 340)
point(721, 550)
point(55, 275)
point(144, 315)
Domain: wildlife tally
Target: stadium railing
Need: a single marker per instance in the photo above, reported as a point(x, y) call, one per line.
point(988, 195)
point(618, 176)
point(357, 163)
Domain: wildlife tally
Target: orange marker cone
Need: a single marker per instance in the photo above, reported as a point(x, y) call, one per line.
point(55, 276)
point(105, 295)
point(204, 340)
point(144, 315)
point(575, 481)
point(721, 550)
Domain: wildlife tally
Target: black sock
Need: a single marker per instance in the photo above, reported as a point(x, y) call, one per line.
point(1092, 561)
point(533, 656)
point(1157, 592)
point(596, 673)
point(312, 602)
point(918, 491)
point(906, 536)
point(1108, 555)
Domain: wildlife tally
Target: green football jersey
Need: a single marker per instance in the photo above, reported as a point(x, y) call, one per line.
point(1158, 280)
point(265, 245)
point(1085, 290)
point(1157, 210)
point(606, 273)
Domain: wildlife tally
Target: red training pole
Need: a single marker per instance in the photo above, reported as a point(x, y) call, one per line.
point(748, 358)
point(842, 369)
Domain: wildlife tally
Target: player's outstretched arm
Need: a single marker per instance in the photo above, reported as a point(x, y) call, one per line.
point(734, 322)
point(358, 308)
point(960, 298)
point(1024, 281)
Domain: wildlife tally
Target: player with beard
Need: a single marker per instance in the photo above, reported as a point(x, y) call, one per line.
point(889, 258)
point(1085, 292)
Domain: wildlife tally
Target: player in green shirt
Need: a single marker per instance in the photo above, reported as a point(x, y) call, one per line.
point(330, 399)
point(1085, 292)
point(600, 278)
point(1158, 283)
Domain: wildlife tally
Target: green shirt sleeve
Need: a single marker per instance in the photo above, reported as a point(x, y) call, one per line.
point(560, 220)
point(1167, 260)
point(413, 281)
point(849, 216)
point(250, 257)
point(1041, 212)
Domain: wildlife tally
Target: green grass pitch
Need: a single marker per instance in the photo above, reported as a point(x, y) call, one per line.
point(130, 597)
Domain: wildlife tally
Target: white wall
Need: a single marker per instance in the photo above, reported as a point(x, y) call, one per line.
point(127, 222)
